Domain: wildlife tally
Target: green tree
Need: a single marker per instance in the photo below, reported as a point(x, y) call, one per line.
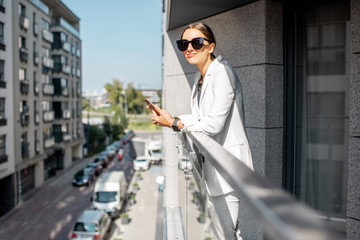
point(85, 103)
point(135, 100)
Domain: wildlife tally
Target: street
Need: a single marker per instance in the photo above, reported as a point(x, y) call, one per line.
point(52, 209)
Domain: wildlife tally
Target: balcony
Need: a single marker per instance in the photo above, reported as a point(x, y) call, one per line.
point(265, 210)
point(36, 58)
point(24, 149)
point(47, 62)
point(48, 89)
point(78, 53)
point(37, 117)
point(78, 73)
point(66, 46)
point(65, 91)
point(65, 69)
point(36, 88)
point(48, 116)
point(66, 137)
point(24, 86)
point(24, 22)
point(47, 35)
point(37, 146)
point(49, 142)
point(24, 118)
point(36, 29)
point(78, 92)
point(24, 54)
point(66, 114)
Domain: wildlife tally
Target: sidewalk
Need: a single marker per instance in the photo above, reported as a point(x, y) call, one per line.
point(146, 215)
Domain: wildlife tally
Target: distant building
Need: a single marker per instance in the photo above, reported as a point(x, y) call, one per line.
point(153, 95)
point(40, 95)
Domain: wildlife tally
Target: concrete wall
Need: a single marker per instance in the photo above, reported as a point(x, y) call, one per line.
point(250, 38)
point(353, 203)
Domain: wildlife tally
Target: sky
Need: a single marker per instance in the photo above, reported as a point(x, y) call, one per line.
point(121, 39)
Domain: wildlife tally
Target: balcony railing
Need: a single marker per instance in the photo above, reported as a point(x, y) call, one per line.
point(65, 91)
point(37, 117)
point(49, 142)
point(37, 146)
point(36, 58)
point(36, 88)
point(47, 62)
point(66, 136)
point(48, 89)
point(48, 116)
point(65, 69)
point(66, 46)
point(24, 149)
point(24, 86)
point(36, 28)
point(66, 113)
point(24, 22)
point(24, 118)
point(47, 35)
point(24, 54)
point(281, 217)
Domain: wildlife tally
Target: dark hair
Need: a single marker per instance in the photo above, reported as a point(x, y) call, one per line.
point(204, 29)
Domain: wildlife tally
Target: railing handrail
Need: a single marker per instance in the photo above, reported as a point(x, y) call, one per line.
point(282, 216)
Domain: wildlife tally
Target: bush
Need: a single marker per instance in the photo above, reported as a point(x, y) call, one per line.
point(124, 215)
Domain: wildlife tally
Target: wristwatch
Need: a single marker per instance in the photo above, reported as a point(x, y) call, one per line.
point(175, 126)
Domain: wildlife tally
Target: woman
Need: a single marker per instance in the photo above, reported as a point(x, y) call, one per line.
point(217, 110)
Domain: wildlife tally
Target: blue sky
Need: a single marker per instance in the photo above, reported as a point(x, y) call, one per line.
point(120, 39)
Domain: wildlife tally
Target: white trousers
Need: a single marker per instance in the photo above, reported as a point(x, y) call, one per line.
point(224, 211)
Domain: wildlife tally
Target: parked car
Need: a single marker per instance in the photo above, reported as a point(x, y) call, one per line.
point(141, 163)
point(117, 145)
point(111, 151)
point(102, 159)
point(131, 134)
point(124, 139)
point(96, 166)
point(92, 224)
point(83, 177)
point(185, 163)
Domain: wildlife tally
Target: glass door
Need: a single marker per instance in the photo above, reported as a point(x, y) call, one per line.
point(320, 107)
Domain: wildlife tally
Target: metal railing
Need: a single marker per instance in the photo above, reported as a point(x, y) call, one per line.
point(282, 217)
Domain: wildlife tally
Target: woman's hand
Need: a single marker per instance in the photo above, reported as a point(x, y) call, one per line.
point(164, 119)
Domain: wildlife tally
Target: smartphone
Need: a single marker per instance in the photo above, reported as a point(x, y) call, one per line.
point(151, 105)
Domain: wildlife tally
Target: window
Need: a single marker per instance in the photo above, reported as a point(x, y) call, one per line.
point(22, 10)
point(2, 108)
point(319, 109)
point(2, 146)
point(45, 52)
point(45, 24)
point(22, 42)
point(1, 33)
point(2, 71)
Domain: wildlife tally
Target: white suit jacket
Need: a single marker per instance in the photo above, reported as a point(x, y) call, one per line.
point(219, 114)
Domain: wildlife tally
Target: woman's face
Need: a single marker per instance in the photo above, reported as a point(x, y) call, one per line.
point(200, 56)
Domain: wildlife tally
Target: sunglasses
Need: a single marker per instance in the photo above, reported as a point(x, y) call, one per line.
point(196, 43)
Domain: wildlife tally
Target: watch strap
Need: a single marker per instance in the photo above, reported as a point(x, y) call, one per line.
point(175, 126)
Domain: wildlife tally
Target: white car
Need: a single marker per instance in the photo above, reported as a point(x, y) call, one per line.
point(185, 163)
point(141, 163)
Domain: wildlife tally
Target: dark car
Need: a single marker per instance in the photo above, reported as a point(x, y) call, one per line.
point(96, 166)
point(83, 177)
point(103, 159)
point(124, 139)
point(131, 134)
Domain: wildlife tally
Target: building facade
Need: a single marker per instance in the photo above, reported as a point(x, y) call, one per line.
point(299, 67)
point(44, 87)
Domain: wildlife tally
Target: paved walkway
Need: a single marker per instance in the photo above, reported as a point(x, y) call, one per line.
point(146, 215)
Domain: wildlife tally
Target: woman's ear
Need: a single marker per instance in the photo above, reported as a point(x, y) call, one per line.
point(212, 47)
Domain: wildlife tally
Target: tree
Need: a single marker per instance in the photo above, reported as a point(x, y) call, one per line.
point(85, 103)
point(135, 100)
point(115, 97)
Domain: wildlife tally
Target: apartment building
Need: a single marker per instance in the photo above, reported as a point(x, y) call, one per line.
point(298, 62)
point(45, 92)
point(7, 114)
